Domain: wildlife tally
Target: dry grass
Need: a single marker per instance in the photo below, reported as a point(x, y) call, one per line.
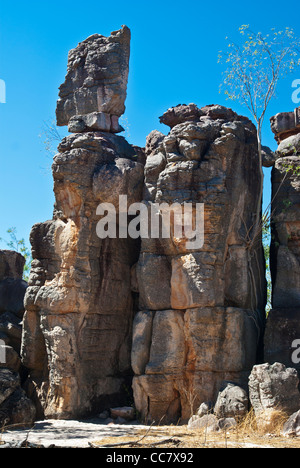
point(247, 434)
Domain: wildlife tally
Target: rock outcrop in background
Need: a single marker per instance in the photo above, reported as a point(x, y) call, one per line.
point(201, 312)
point(283, 324)
point(15, 407)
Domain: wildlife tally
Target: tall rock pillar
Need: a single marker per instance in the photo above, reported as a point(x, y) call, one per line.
point(79, 305)
point(283, 324)
point(201, 308)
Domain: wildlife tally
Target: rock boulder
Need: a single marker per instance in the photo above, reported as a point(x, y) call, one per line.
point(232, 402)
point(285, 124)
point(282, 328)
point(274, 387)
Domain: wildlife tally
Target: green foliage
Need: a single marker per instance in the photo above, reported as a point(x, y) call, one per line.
point(51, 137)
point(19, 245)
point(255, 66)
point(292, 169)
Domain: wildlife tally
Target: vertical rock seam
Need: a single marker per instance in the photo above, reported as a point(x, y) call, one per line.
point(199, 316)
point(94, 92)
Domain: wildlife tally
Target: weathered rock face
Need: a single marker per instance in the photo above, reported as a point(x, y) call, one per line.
point(232, 402)
point(268, 157)
point(283, 321)
point(11, 265)
point(15, 407)
point(292, 426)
point(286, 260)
point(79, 304)
point(200, 308)
point(274, 388)
point(285, 124)
point(12, 292)
point(199, 302)
point(211, 423)
point(93, 94)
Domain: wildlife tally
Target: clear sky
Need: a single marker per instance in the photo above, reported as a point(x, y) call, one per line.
point(174, 52)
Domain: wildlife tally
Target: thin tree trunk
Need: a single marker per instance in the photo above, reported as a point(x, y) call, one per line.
point(260, 197)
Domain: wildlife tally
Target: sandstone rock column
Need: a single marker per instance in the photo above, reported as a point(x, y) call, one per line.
point(283, 321)
point(79, 304)
point(12, 291)
point(15, 407)
point(94, 92)
point(201, 309)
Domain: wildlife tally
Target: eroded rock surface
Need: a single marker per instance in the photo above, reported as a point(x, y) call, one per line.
point(12, 292)
point(94, 92)
point(232, 402)
point(283, 327)
point(15, 407)
point(274, 388)
point(292, 426)
point(285, 124)
point(201, 309)
point(79, 304)
point(182, 314)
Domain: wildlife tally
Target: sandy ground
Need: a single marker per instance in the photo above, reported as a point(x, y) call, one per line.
point(86, 434)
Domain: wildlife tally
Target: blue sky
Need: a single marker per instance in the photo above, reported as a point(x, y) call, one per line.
point(174, 53)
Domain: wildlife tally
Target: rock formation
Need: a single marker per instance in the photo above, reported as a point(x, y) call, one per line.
point(283, 321)
point(273, 389)
point(12, 292)
point(285, 124)
point(94, 92)
point(292, 426)
point(201, 309)
point(79, 304)
point(232, 402)
point(15, 407)
point(180, 314)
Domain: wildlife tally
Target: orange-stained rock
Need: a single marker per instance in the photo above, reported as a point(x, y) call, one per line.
point(203, 306)
point(77, 327)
